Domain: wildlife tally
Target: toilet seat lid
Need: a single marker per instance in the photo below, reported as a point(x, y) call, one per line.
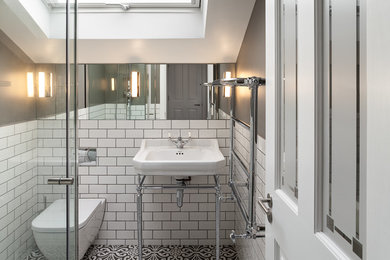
point(53, 218)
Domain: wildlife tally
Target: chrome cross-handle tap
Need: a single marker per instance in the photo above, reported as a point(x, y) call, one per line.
point(180, 142)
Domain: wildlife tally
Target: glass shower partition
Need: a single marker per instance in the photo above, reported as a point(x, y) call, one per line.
point(57, 141)
point(72, 130)
point(38, 130)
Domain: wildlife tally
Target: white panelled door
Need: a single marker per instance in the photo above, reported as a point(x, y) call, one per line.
point(301, 70)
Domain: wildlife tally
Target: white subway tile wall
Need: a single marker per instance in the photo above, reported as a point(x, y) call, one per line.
point(249, 249)
point(18, 188)
point(114, 178)
point(31, 152)
point(51, 160)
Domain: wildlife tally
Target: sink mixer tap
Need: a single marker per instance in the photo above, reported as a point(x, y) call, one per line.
point(180, 142)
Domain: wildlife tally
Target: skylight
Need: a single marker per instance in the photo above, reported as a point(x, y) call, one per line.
point(127, 4)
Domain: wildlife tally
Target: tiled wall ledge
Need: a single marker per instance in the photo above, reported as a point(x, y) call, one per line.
point(114, 112)
point(18, 188)
point(114, 178)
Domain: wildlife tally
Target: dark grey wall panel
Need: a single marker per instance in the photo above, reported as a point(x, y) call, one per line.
point(81, 86)
point(96, 84)
point(47, 106)
point(55, 105)
point(111, 71)
point(15, 106)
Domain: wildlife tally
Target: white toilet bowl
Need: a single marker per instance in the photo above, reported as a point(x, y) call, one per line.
point(49, 227)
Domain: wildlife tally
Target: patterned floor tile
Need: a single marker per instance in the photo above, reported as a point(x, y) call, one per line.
point(35, 255)
point(120, 252)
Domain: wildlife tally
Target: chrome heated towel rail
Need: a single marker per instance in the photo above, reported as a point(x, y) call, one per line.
point(248, 211)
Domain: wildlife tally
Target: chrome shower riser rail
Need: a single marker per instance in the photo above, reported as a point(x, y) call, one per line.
point(218, 199)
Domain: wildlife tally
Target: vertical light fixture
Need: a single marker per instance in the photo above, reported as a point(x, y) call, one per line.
point(51, 84)
point(112, 84)
point(135, 80)
point(227, 89)
point(41, 84)
point(30, 84)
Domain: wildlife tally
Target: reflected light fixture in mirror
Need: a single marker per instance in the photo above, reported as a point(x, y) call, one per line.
point(41, 84)
point(51, 84)
point(135, 80)
point(112, 84)
point(227, 89)
point(30, 84)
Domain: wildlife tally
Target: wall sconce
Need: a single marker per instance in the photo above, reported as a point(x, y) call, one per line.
point(227, 90)
point(112, 84)
point(41, 85)
point(135, 80)
point(30, 84)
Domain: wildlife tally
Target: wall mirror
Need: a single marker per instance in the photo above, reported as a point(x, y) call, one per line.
point(136, 91)
point(152, 91)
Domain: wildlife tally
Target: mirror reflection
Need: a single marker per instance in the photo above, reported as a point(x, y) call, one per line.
point(151, 91)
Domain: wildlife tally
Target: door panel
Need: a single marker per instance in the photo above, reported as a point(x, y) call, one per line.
point(186, 99)
point(344, 114)
point(61, 162)
point(288, 99)
point(341, 212)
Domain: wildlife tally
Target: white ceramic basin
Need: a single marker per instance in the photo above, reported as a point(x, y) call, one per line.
point(161, 157)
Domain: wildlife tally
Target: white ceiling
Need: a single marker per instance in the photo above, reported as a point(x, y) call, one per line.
point(212, 34)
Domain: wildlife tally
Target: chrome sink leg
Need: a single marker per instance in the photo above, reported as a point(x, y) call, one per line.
point(217, 216)
point(139, 215)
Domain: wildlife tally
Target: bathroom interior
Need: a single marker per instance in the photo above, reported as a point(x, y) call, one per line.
point(137, 130)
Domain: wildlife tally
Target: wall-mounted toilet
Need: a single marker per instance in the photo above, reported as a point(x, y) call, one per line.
point(49, 227)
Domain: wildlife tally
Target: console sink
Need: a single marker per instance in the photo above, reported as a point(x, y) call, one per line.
point(161, 157)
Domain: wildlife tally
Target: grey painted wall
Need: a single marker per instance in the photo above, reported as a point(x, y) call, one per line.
point(251, 62)
point(15, 106)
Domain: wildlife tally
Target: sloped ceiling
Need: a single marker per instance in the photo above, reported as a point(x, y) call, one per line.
point(212, 34)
